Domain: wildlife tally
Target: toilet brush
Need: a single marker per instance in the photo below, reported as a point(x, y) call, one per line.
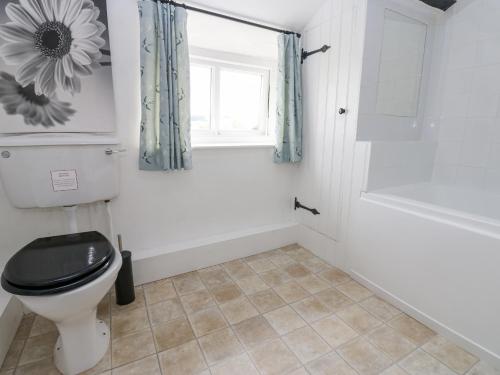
point(124, 284)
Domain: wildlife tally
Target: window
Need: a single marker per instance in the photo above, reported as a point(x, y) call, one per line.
point(230, 101)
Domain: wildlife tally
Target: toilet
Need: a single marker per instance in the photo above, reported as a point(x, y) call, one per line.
point(63, 278)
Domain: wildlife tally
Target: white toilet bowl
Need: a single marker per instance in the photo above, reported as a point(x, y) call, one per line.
point(83, 340)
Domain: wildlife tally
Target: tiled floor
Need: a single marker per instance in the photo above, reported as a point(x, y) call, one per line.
point(281, 312)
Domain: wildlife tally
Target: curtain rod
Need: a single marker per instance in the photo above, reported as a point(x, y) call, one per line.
point(226, 17)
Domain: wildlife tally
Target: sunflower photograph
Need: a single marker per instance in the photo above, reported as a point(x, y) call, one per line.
point(55, 66)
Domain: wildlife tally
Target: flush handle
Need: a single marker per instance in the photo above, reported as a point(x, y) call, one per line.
point(110, 151)
point(342, 111)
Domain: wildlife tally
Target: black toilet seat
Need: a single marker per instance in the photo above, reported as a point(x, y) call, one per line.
point(57, 264)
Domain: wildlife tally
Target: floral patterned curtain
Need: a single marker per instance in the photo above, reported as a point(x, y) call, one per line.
point(165, 122)
point(288, 147)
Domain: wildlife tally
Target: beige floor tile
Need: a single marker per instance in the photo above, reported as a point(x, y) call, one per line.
point(238, 310)
point(220, 345)
point(13, 355)
point(306, 344)
point(132, 347)
point(394, 370)
point(238, 269)
point(335, 276)
point(291, 292)
point(254, 331)
point(127, 321)
point(165, 311)
point(311, 309)
point(274, 357)
point(148, 365)
point(358, 318)
point(24, 329)
point(392, 343)
point(266, 301)
point(188, 283)
point(450, 354)
point(354, 290)
point(312, 283)
point(412, 329)
point(284, 320)
point(330, 364)
point(275, 277)
point(364, 357)
point(159, 291)
point(226, 293)
point(197, 301)
point(261, 265)
point(139, 301)
point(316, 265)
point(381, 309)
point(214, 277)
point(207, 321)
point(280, 260)
point(296, 270)
point(300, 254)
point(41, 326)
point(299, 371)
point(38, 348)
point(172, 334)
point(334, 299)
point(334, 331)
point(252, 284)
point(240, 365)
point(421, 363)
point(185, 359)
point(43, 367)
point(482, 368)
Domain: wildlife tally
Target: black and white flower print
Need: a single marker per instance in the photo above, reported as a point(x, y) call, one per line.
point(53, 43)
point(35, 109)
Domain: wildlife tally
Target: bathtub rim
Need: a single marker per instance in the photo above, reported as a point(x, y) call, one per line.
point(462, 219)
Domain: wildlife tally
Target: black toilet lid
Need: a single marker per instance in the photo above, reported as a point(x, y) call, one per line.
point(55, 264)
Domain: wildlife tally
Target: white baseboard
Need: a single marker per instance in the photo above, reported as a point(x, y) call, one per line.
point(322, 246)
point(442, 329)
point(9, 321)
point(189, 256)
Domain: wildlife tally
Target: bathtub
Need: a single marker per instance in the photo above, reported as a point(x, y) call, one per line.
point(434, 251)
point(468, 208)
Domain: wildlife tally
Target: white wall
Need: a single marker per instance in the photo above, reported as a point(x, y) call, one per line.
point(468, 102)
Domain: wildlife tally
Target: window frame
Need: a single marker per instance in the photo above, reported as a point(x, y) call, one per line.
point(219, 61)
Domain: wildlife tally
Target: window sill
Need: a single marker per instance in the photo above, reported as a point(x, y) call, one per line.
point(209, 146)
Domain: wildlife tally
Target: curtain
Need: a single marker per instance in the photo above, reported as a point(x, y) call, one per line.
point(165, 142)
point(288, 147)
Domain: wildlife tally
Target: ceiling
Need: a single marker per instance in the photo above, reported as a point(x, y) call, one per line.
point(289, 14)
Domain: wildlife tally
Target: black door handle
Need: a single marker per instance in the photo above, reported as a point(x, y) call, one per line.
point(342, 111)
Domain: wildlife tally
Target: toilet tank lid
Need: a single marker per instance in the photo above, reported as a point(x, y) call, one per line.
point(57, 139)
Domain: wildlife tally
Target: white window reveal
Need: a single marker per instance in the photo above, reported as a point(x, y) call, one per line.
point(231, 97)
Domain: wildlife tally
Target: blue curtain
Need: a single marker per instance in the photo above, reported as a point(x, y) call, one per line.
point(288, 147)
point(165, 121)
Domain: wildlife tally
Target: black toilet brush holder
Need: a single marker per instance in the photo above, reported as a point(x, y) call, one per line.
point(124, 284)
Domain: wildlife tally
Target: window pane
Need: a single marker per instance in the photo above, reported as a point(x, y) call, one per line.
point(240, 100)
point(201, 77)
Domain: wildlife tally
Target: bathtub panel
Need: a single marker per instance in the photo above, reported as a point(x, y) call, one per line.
point(447, 275)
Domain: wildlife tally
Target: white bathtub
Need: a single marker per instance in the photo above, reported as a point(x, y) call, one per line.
point(472, 209)
point(435, 252)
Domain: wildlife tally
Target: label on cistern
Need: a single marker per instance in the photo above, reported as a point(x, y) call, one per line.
point(64, 180)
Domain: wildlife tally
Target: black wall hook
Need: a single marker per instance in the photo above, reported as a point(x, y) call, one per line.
point(306, 54)
point(299, 205)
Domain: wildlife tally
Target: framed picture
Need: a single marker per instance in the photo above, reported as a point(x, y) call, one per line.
point(55, 67)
